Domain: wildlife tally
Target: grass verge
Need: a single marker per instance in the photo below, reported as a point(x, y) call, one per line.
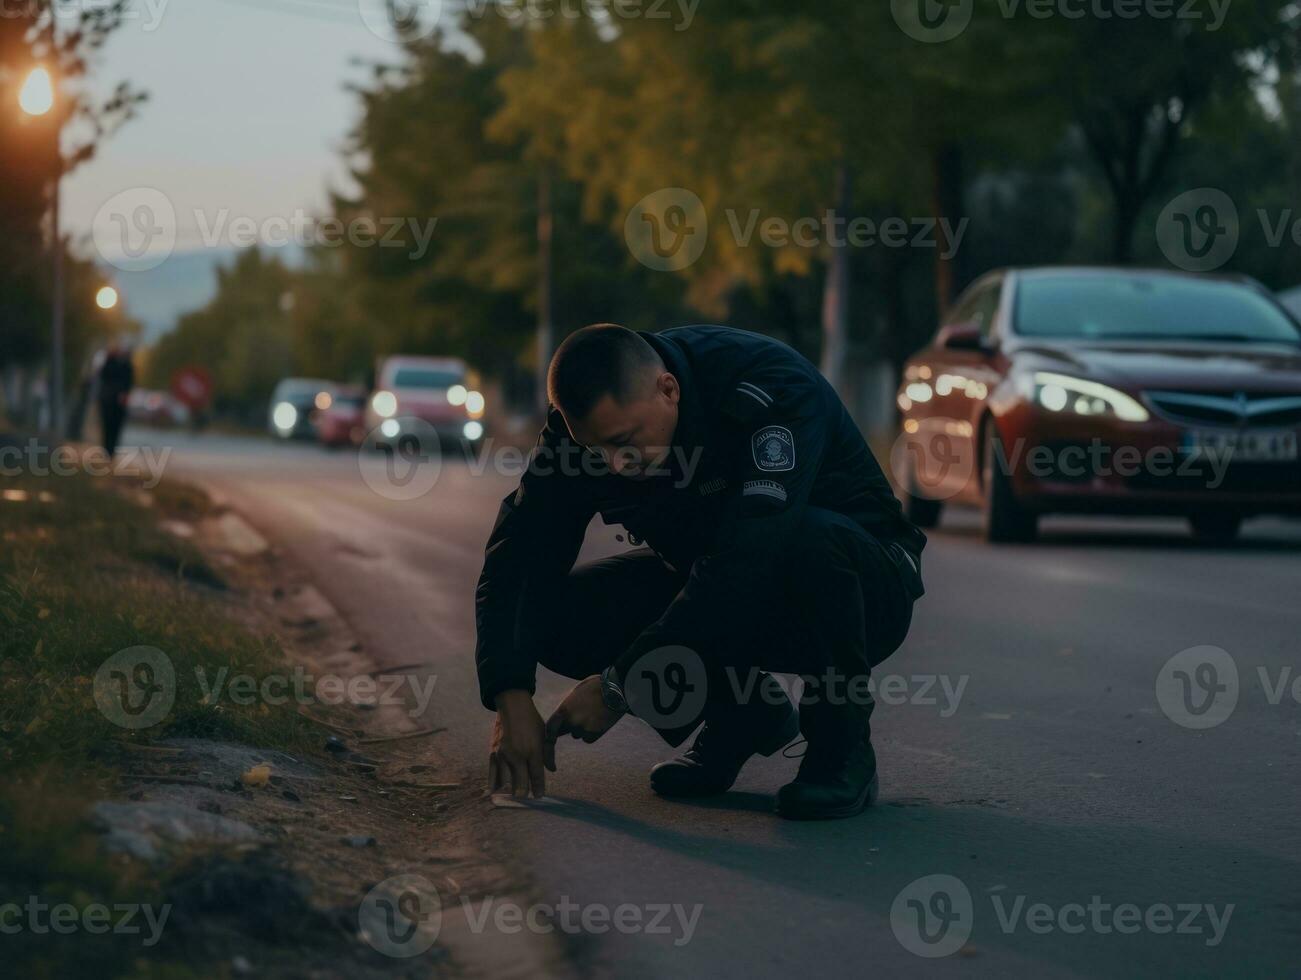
point(85, 572)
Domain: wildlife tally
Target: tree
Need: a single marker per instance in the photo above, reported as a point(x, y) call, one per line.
point(1135, 86)
point(242, 336)
point(31, 161)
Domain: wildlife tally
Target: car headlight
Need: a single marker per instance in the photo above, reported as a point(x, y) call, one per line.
point(474, 404)
point(384, 403)
point(1078, 396)
point(472, 431)
point(284, 416)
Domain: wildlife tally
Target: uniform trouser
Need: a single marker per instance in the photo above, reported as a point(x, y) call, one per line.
point(112, 415)
point(838, 603)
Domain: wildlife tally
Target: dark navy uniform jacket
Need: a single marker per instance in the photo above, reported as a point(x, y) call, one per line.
point(761, 436)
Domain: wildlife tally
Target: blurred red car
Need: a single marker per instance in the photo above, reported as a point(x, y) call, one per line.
point(1107, 391)
point(426, 398)
point(342, 421)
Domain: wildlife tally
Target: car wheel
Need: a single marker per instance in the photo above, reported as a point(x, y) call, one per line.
point(922, 511)
point(1006, 520)
point(1215, 527)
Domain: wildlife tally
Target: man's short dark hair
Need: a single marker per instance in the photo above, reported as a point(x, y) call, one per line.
point(603, 359)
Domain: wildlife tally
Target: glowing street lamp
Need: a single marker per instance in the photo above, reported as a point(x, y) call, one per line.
point(106, 298)
point(36, 97)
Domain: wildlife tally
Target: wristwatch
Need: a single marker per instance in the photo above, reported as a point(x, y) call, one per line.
point(612, 693)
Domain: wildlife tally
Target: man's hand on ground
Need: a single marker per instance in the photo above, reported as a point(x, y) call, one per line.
point(520, 748)
point(582, 713)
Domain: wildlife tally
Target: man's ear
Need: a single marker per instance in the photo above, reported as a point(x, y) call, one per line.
point(668, 387)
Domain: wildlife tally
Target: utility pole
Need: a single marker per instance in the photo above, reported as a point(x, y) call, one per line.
point(545, 330)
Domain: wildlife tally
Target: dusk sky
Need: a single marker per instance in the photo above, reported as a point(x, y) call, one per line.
point(246, 114)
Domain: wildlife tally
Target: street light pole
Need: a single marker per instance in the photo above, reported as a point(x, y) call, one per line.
point(38, 98)
point(56, 325)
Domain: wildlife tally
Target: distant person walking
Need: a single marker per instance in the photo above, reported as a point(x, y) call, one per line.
point(116, 376)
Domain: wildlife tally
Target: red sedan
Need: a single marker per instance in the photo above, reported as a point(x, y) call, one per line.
point(1075, 390)
point(342, 421)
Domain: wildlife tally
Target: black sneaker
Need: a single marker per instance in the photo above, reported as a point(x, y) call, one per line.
point(728, 740)
point(837, 776)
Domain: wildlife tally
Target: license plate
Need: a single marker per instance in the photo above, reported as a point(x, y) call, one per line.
point(1248, 446)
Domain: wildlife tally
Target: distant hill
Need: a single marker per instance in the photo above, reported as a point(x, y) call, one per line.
point(185, 282)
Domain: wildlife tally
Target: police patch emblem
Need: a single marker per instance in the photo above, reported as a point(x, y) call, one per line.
point(773, 448)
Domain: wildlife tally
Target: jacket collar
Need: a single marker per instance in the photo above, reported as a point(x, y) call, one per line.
point(688, 437)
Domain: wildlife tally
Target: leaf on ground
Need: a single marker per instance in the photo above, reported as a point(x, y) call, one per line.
point(257, 776)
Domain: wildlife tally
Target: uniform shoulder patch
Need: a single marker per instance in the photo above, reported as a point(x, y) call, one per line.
point(773, 448)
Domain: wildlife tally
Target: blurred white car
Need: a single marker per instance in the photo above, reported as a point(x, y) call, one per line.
point(416, 396)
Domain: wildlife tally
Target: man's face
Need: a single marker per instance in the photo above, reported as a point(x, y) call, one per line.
point(636, 435)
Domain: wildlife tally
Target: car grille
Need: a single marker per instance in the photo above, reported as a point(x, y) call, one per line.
point(1236, 409)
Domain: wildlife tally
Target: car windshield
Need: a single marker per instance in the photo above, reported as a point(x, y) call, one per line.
point(299, 389)
point(414, 377)
point(1148, 308)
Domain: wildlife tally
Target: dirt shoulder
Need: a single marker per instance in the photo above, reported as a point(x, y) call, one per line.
point(187, 727)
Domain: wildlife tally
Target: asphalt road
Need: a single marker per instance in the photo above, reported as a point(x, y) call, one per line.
point(1026, 755)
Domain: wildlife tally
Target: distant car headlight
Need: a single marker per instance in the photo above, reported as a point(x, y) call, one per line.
point(474, 404)
point(472, 431)
point(1063, 393)
point(456, 395)
point(284, 416)
point(324, 400)
point(389, 428)
point(384, 403)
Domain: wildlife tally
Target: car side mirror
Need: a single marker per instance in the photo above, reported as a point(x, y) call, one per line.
point(962, 336)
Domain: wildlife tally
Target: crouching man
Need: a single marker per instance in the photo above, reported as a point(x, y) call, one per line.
point(767, 539)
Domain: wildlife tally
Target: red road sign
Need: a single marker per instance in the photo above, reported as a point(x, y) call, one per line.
point(192, 386)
